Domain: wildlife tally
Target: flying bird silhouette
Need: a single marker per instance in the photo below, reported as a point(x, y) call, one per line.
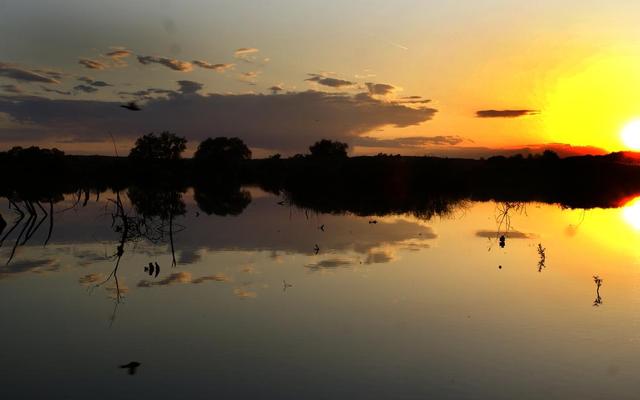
point(132, 106)
point(321, 227)
point(316, 248)
point(131, 367)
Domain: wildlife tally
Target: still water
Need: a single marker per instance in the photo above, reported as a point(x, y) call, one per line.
point(284, 303)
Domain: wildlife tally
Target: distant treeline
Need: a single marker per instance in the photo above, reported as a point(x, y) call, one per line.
point(325, 179)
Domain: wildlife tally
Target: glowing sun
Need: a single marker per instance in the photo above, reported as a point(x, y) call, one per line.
point(630, 135)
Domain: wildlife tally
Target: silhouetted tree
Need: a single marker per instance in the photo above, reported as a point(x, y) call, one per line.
point(329, 148)
point(163, 147)
point(223, 150)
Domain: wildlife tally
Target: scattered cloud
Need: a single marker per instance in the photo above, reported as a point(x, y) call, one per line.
point(413, 141)
point(331, 263)
point(189, 87)
point(63, 92)
point(380, 89)
point(91, 278)
point(247, 54)
point(85, 89)
point(214, 278)
point(117, 56)
point(379, 257)
point(244, 294)
point(176, 65)
point(215, 67)
point(19, 73)
point(92, 82)
point(329, 81)
point(508, 235)
point(275, 89)
point(11, 88)
point(183, 278)
point(28, 266)
point(505, 113)
point(92, 64)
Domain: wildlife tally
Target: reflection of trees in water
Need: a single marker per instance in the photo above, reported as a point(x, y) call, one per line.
point(157, 209)
point(504, 212)
point(221, 199)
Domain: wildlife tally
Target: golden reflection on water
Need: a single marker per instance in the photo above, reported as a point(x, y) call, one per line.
point(631, 213)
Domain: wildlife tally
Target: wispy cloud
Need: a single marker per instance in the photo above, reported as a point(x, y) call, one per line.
point(92, 64)
point(505, 113)
point(19, 73)
point(11, 88)
point(215, 67)
point(174, 64)
point(380, 89)
point(247, 54)
point(329, 81)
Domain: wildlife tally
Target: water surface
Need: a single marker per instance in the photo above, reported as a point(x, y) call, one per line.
point(391, 306)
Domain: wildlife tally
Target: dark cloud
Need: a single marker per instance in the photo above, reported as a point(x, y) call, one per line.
point(508, 235)
point(28, 75)
point(182, 278)
point(283, 122)
point(379, 257)
point(28, 266)
point(414, 141)
point(213, 278)
point(92, 64)
point(189, 87)
point(85, 89)
point(91, 82)
point(176, 65)
point(147, 94)
point(332, 263)
point(48, 90)
point(505, 113)
point(328, 81)
point(380, 89)
point(11, 88)
point(276, 89)
point(215, 67)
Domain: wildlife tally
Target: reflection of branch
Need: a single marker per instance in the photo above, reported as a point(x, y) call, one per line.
point(124, 229)
point(543, 257)
point(503, 218)
point(598, 300)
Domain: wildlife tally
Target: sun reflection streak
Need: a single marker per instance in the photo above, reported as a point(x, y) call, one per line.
point(631, 213)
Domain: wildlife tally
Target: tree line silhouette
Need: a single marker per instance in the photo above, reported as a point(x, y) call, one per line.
point(325, 179)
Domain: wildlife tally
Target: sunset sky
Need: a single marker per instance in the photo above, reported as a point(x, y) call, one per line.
point(283, 74)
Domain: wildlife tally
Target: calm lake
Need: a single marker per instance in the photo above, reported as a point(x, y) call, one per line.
point(280, 302)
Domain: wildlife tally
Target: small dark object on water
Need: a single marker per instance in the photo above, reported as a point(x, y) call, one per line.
point(132, 106)
point(499, 266)
point(149, 269)
point(373, 221)
point(132, 367)
point(502, 241)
